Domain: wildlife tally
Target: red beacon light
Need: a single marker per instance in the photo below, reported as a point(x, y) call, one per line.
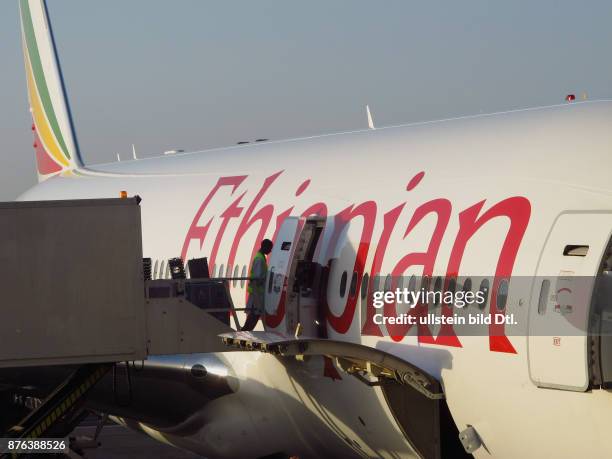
point(570, 98)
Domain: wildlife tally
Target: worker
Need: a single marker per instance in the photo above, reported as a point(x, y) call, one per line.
point(259, 270)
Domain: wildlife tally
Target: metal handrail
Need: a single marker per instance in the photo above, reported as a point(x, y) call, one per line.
point(226, 283)
point(224, 278)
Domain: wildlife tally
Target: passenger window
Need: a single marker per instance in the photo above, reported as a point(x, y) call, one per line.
point(364, 286)
point(243, 275)
point(412, 288)
point(502, 295)
point(462, 303)
point(425, 283)
point(236, 268)
point(388, 283)
point(343, 280)
point(400, 282)
point(376, 282)
point(412, 283)
point(353, 287)
point(438, 291)
point(467, 285)
point(484, 289)
point(543, 300)
point(452, 285)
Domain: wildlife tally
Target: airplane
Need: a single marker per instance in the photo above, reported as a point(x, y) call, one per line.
point(505, 202)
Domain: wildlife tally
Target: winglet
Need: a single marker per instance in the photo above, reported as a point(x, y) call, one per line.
point(370, 122)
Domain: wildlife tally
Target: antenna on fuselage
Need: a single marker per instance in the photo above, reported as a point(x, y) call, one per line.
point(134, 151)
point(118, 157)
point(370, 122)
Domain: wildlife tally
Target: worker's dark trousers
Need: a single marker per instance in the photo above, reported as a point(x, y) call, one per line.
point(250, 322)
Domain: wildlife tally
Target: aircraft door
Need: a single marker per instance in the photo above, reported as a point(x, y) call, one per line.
point(278, 272)
point(307, 282)
point(558, 343)
point(294, 278)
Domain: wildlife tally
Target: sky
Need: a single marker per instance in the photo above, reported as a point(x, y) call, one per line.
point(196, 74)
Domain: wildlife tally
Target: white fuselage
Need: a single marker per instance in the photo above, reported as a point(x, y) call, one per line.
point(220, 203)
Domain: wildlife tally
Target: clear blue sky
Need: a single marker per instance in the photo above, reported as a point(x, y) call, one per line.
point(195, 74)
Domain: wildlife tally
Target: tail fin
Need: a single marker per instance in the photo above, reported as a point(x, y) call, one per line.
point(54, 138)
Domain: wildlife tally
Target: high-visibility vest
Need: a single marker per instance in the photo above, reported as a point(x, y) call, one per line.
point(253, 286)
